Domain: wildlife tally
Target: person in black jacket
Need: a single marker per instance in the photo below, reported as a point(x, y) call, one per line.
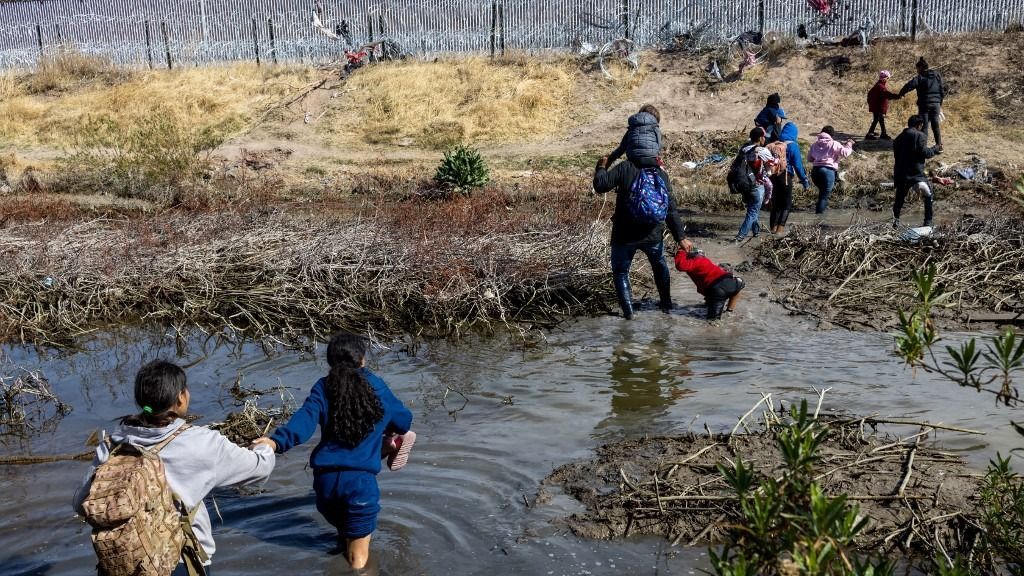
point(910, 150)
point(629, 235)
point(930, 94)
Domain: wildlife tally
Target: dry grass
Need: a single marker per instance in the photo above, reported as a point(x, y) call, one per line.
point(859, 276)
point(969, 111)
point(225, 97)
point(438, 103)
point(494, 260)
point(68, 69)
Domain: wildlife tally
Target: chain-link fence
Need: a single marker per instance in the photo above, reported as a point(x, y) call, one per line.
point(162, 33)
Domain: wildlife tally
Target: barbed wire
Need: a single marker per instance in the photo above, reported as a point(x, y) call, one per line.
point(425, 28)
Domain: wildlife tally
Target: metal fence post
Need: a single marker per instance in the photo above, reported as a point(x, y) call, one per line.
point(760, 17)
point(273, 45)
point(256, 41)
point(501, 26)
point(625, 18)
point(913, 21)
point(167, 43)
point(494, 23)
point(39, 38)
point(149, 47)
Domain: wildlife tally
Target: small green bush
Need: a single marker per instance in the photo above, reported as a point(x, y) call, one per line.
point(789, 526)
point(462, 169)
point(153, 158)
point(1002, 497)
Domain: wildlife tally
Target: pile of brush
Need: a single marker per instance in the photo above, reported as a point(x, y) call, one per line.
point(861, 275)
point(435, 269)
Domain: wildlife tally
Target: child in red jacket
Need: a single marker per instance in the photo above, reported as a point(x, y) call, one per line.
point(878, 105)
point(716, 285)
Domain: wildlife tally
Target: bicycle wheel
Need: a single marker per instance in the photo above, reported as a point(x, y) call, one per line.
point(619, 59)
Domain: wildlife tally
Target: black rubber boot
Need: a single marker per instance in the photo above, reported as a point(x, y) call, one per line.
point(625, 293)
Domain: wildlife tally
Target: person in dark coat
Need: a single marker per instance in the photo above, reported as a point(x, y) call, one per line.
point(910, 151)
point(768, 118)
point(930, 94)
point(630, 235)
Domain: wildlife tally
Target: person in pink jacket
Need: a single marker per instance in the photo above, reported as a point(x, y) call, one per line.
point(825, 155)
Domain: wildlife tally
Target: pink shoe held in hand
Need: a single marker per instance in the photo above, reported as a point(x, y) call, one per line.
point(403, 443)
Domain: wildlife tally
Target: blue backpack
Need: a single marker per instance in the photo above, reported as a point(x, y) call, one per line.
point(648, 197)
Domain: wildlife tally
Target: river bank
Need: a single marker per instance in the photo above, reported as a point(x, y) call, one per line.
point(233, 234)
point(494, 419)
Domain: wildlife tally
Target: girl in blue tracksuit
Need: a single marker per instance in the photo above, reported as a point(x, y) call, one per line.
point(354, 409)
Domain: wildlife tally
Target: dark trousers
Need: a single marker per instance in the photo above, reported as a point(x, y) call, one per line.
point(825, 180)
point(181, 570)
point(879, 120)
point(902, 189)
point(719, 293)
point(782, 200)
point(930, 115)
point(622, 259)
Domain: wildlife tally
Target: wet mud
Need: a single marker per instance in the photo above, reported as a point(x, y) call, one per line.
point(670, 486)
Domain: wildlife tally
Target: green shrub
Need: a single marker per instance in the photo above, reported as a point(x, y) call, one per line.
point(789, 526)
point(462, 169)
point(1002, 497)
point(153, 158)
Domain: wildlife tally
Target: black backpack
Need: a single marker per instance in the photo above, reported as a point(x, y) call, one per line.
point(740, 178)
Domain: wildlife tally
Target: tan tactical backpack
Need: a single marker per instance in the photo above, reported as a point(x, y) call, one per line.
point(140, 528)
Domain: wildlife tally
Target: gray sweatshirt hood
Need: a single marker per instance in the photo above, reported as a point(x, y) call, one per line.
point(142, 436)
point(195, 462)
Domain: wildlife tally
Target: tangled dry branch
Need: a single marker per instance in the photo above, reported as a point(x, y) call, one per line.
point(861, 275)
point(292, 277)
point(28, 405)
point(920, 499)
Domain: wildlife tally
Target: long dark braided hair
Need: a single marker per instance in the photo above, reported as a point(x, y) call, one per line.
point(354, 407)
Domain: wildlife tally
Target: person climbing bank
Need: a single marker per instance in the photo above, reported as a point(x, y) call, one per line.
point(930, 94)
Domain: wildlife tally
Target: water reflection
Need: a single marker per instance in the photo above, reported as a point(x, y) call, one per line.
point(646, 381)
point(465, 503)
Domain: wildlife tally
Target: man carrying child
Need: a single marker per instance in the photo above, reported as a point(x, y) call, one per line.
point(641, 145)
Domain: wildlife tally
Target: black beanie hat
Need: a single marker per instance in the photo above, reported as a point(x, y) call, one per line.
point(922, 63)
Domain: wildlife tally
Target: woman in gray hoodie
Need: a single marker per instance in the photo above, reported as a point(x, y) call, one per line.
point(195, 462)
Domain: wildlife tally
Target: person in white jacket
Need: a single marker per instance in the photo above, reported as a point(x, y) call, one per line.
point(195, 462)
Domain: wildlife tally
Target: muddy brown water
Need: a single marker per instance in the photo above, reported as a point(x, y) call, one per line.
point(460, 506)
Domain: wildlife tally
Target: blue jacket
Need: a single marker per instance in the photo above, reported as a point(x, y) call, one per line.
point(794, 157)
point(328, 453)
point(766, 117)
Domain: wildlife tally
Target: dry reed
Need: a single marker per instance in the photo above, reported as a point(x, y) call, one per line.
point(861, 275)
point(419, 267)
point(670, 486)
point(28, 405)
